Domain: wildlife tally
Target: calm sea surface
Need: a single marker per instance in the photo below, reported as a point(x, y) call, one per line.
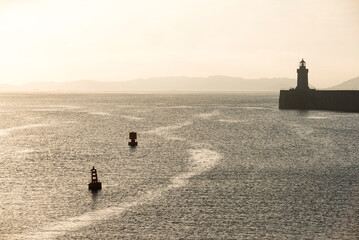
point(208, 166)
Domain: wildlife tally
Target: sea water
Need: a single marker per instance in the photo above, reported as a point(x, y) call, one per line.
point(207, 166)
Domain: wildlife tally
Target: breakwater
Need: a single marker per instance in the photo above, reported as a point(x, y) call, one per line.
point(332, 100)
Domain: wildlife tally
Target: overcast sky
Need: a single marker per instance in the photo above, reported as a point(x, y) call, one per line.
point(114, 40)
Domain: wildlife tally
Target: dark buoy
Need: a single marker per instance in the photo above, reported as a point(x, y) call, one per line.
point(133, 137)
point(94, 185)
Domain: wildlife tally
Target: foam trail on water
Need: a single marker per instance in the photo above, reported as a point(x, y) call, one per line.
point(317, 117)
point(26, 151)
point(57, 108)
point(65, 106)
point(257, 108)
point(167, 131)
point(100, 113)
point(7, 131)
point(75, 109)
point(182, 107)
point(132, 117)
point(208, 115)
point(200, 160)
point(95, 113)
point(230, 120)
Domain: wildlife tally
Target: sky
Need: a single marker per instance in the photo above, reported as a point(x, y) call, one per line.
point(116, 40)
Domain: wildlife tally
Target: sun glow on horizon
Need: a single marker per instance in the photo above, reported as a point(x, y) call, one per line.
point(122, 40)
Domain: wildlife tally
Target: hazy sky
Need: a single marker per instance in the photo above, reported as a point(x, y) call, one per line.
point(111, 40)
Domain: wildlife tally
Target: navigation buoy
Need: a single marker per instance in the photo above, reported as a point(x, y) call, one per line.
point(94, 185)
point(133, 137)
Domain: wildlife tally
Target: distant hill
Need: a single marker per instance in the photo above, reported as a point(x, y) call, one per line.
point(352, 84)
point(212, 83)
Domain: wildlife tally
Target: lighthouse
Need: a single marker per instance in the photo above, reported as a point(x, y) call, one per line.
point(302, 78)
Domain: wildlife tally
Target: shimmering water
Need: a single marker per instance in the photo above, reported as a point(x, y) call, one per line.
point(208, 166)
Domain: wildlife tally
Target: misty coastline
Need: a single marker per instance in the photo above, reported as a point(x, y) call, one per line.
point(162, 84)
point(216, 84)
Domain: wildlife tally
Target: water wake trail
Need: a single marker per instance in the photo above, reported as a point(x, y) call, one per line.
point(74, 109)
point(7, 131)
point(57, 108)
point(201, 160)
point(230, 121)
point(95, 113)
point(208, 115)
point(317, 117)
point(258, 108)
point(166, 131)
point(182, 107)
point(131, 117)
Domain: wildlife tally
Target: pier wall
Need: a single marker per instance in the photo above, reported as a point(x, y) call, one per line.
point(333, 100)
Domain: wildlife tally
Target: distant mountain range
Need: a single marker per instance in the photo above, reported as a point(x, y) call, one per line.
point(185, 84)
point(352, 84)
point(213, 83)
